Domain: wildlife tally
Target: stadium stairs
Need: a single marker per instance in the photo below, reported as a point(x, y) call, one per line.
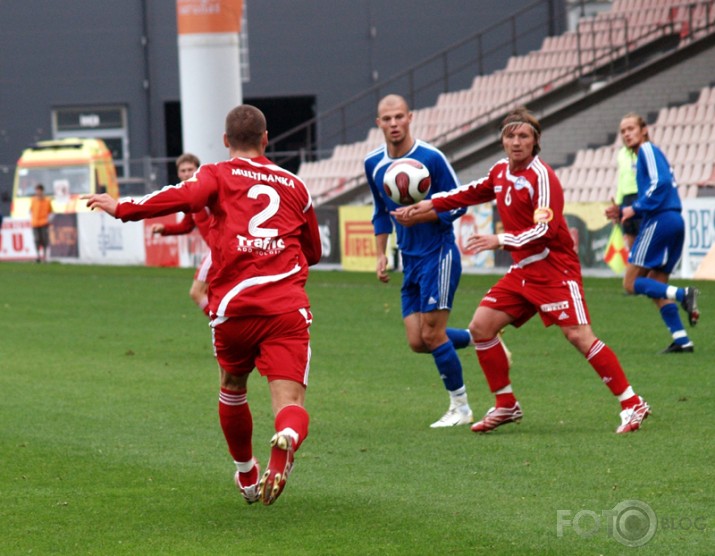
point(649, 56)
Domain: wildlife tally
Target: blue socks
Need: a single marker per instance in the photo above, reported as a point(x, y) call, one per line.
point(671, 317)
point(460, 337)
point(651, 288)
point(449, 366)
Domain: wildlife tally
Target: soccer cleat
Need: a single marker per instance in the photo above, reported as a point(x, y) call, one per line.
point(279, 467)
point(677, 348)
point(456, 415)
point(497, 416)
point(632, 417)
point(690, 305)
point(247, 483)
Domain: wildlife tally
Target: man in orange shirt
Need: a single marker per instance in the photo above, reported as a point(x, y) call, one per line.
point(40, 214)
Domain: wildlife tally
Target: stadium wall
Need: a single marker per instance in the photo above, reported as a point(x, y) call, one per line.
point(347, 238)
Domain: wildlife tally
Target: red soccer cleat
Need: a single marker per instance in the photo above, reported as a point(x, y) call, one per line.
point(632, 417)
point(497, 416)
point(279, 467)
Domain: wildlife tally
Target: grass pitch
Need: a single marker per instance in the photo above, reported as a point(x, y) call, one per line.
point(110, 441)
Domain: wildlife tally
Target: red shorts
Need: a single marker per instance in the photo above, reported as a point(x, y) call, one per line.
point(560, 302)
point(278, 345)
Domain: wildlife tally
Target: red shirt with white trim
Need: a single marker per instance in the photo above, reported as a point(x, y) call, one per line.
point(530, 203)
point(264, 233)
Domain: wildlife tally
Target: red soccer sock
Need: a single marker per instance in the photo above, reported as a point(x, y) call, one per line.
point(505, 400)
point(236, 423)
point(606, 364)
point(296, 418)
point(495, 365)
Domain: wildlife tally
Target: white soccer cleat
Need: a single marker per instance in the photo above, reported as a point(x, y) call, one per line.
point(456, 415)
point(248, 482)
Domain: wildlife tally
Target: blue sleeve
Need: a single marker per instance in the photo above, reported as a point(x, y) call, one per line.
point(381, 220)
point(654, 180)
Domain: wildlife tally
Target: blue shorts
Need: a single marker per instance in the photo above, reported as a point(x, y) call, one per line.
point(430, 282)
point(659, 244)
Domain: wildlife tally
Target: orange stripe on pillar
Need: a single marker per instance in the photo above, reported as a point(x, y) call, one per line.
point(208, 16)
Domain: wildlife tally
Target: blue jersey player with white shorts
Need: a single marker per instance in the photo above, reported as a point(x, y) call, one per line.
point(430, 257)
point(659, 244)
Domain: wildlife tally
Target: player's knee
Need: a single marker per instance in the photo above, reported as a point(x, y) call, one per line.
point(418, 346)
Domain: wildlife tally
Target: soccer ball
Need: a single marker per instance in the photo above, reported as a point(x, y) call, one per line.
point(407, 181)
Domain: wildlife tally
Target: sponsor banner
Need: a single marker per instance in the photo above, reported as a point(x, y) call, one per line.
point(357, 238)
point(160, 250)
point(16, 240)
point(64, 243)
point(329, 226)
point(478, 219)
point(591, 232)
point(106, 240)
point(699, 216)
point(192, 249)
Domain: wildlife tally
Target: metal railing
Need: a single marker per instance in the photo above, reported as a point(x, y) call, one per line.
point(451, 68)
point(615, 58)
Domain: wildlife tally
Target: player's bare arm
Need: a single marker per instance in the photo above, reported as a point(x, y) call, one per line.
point(102, 202)
point(482, 242)
point(381, 266)
point(627, 213)
point(157, 228)
point(419, 209)
point(408, 218)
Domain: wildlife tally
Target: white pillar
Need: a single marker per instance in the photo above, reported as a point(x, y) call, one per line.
point(209, 72)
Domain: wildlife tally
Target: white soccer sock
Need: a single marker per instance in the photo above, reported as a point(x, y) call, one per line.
point(245, 466)
point(627, 393)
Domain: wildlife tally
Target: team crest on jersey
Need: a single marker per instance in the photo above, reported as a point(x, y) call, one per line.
point(543, 215)
point(521, 183)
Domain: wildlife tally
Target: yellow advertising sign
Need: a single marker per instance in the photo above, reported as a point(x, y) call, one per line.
point(357, 238)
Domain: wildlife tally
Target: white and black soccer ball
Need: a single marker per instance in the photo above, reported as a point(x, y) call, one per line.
point(407, 181)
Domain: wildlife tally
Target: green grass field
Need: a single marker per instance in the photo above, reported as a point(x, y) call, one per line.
point(110, 442)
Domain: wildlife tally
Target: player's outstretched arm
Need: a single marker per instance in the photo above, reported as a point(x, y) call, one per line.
point(415, 214)
point(482, 242)
point(103, 202)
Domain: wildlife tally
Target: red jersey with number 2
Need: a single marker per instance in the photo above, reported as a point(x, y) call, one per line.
point(264, 233)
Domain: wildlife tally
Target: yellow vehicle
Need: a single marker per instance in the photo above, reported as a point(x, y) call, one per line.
point(67, 168)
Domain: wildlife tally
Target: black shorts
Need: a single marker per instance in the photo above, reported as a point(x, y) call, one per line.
point(631, 226)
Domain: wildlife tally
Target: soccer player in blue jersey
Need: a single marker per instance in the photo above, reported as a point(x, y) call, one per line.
point(659, 244)
point(430, 257)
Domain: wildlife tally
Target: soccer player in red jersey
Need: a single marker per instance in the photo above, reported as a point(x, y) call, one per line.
point(545, 277)
point(264, 237)
point(186, 166)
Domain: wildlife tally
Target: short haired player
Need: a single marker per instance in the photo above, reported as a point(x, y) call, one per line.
point(430, 258)
point(266, 237)
point(545, 277)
